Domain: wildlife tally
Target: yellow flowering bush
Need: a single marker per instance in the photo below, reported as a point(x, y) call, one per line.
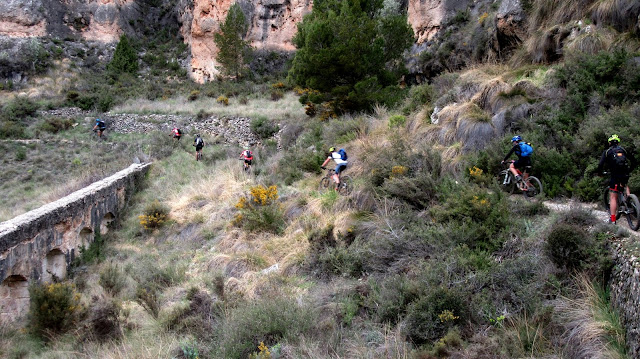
point(260, 210)
point(278, 85)
point(224, 100)
point(399, 171)
point(155, 215)
point(54, 308)
point(263, 353)
point(447, 316)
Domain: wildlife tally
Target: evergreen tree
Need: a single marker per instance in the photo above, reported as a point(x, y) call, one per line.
point(351, 51)
point(125, 58)
point(232, 48)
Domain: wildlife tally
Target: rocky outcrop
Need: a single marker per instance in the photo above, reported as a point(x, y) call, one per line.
point(272, 25)
point(511, 28)
point(427, 17)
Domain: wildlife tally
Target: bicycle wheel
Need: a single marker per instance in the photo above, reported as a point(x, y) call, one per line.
point(533, 187)
point(325, 183)
point(633, 212)
point(605, 198)
point(506, 181)
point(346, 186)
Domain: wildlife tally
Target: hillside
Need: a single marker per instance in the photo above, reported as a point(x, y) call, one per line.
point(426, 258)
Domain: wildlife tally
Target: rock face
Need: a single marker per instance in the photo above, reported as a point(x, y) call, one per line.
point(428, 16)
point(272, 25)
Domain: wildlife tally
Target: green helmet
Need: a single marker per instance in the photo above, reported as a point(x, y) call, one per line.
point(614, 138)
point(332, 149)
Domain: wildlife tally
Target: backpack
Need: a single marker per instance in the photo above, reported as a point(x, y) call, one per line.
point(179, 132)
point(248, 154)
point(199, 141)
point(343, 154)
point(525, 149)
point(101, 124)
point(619, 160)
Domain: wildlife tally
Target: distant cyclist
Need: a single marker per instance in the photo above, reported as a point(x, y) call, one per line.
point(247, 156)
point(340, 158)
point(523, 150)
point(620, 163)
point(199, 143)
point(176, 133)
point(99, 127)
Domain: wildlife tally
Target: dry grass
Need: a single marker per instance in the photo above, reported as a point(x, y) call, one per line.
point(592, 328)
point(590, 42)
point(287, 107)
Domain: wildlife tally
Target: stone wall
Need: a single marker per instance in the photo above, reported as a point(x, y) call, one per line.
point(625, 290)
point(41, 244)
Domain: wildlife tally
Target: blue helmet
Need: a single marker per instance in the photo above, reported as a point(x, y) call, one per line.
point(98, 120)
point(516, 138)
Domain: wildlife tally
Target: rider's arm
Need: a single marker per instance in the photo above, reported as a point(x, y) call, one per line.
point(326, 161)
point(603, 159)
point(510, 153)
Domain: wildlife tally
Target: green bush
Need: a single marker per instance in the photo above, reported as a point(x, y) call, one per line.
point(54, 308)
point(21, 107)
point(125, 58)
point(105, 319)
point(296, 162)
point(112, 279)
point(396, 121)
point(263, 127)
point(568, 246)
point(55, 125)
point(418, 97)
point(430, 317)
point(267, 320)
point(193, 95)
point(390, 297)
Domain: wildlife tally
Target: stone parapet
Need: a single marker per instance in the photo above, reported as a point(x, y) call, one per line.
point(625, 290)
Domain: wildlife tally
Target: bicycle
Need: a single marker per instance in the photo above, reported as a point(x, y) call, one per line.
point(628, 206)
point(96, 137)
point(345, 187)
point(530, 186)
point(245, 166)
point(198, 155)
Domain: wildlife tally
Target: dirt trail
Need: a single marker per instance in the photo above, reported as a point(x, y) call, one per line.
point(596, 208)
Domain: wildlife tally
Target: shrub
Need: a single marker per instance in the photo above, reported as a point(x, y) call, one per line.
point(223, 100)
point(276, 95)
point(95, 252)
point(55, 125)
point(396, 121)
point(21, 154)
point(112, 279)
point(431, 316)
point(21, 107)
point(568, 246)
point(155, 215)
point(147, 297)
point(263, 128)
point(194, 95)
point(125, 58)
point(267, 320)
point(260, 211)
point(294, 163)
point(54, 308)
point(390, 297)
point(105, 319)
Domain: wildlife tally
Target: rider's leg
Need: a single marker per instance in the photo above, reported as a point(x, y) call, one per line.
point(513, 170)
point(613, 205)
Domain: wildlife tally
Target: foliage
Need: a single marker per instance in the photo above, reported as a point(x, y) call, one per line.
point(125, 58)
point(232, 48)
point(54, 308)
point(260, 211)
point(431, 316)
point(263, 127)
point(224, 100)
point(154, 216)
point(268, 320)
point(396, 121)
point(350, 52)
point(95, 251)
point(112, 279)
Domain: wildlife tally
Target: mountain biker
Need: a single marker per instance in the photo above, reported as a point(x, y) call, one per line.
point(100, 126)
point(524, 156)
point(620, 164)
point(177, 133)
point(199, 143)
point(247, 156)
point(341, 164)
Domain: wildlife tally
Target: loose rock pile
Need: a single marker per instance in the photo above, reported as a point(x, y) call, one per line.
point(231, 130)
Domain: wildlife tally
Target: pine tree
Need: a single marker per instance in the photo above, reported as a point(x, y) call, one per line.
point(232, 48)
point(125, 58)
point(351, 51)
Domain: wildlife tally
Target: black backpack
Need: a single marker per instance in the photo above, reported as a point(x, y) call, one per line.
point(619, 161)
point(199, 141)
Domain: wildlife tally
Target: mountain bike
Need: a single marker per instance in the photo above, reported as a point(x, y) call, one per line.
point(530, 186)
point(96, 136)
point(628, 206)
point(326, 182)
point(245, 166)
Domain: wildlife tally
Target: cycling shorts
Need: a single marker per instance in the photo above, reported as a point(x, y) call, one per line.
point(522, 162)
point(618, 180)
point(248, 162)
point(340, 168)
point(198, 148)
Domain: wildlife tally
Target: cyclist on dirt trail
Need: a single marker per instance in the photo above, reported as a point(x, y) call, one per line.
point(340, 158)
point(99, 127)
point(176, 133)
point(199, 143)
point(523, 150)
point(247, 156)
point(620, 164)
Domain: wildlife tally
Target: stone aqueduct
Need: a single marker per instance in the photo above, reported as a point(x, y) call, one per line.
point(41, 244)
